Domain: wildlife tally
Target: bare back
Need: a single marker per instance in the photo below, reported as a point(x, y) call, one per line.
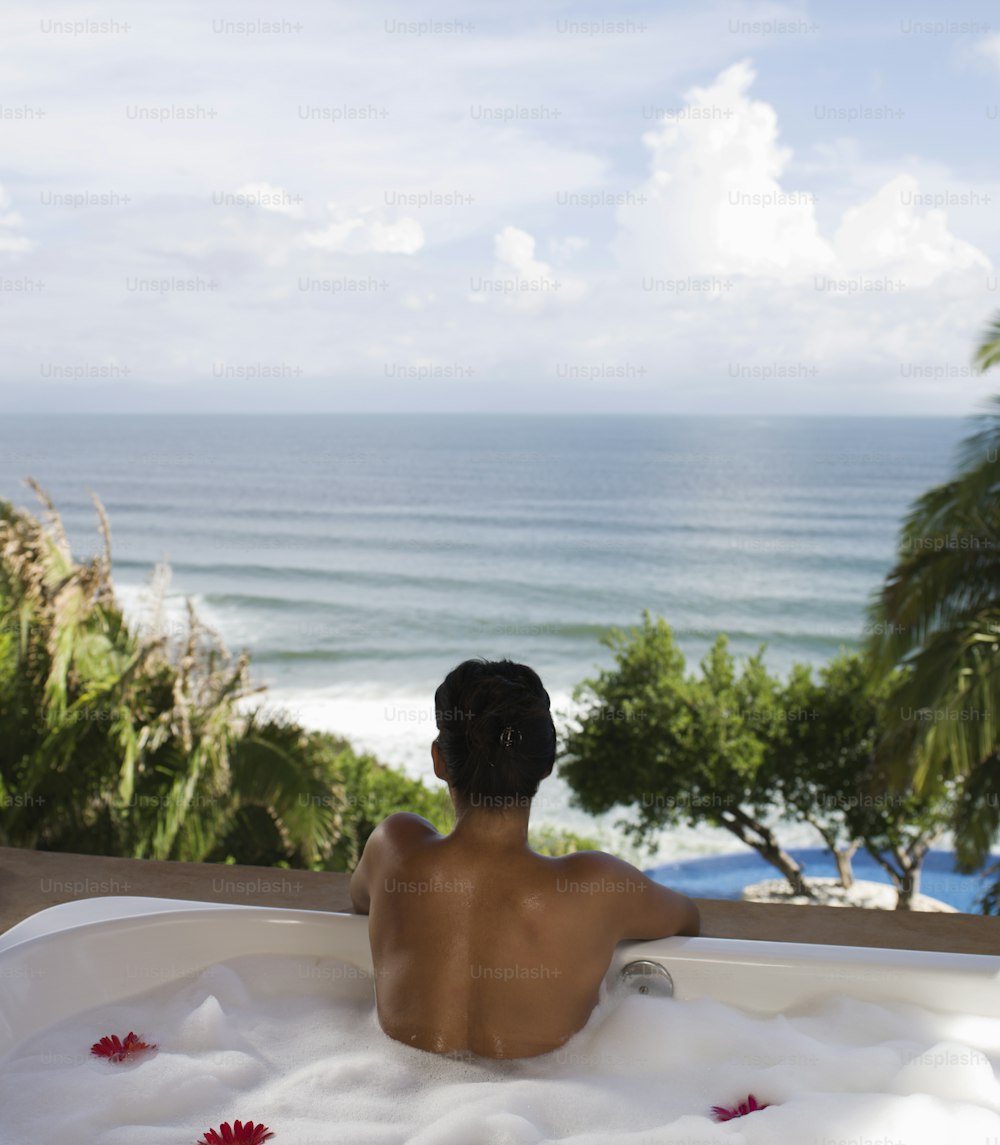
point(494, 949)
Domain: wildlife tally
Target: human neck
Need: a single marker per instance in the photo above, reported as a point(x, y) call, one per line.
point(493, 826)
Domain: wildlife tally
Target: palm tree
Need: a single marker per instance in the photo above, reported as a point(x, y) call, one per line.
point(938, 616)
point(988, 350)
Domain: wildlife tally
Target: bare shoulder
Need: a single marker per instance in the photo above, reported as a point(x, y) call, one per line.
point(637, 906)
point(402, 829)
point(591, 866)
point(392, 841)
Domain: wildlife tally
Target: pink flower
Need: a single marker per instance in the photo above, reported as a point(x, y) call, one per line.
point(116, 1050)
point(245, 1133)
point(720, 1113)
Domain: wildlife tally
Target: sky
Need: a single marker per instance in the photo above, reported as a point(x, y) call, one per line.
point(672, 208)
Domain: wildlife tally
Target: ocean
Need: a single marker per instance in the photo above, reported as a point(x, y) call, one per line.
point(360, 557)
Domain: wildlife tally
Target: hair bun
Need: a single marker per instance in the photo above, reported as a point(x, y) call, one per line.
point(495, 730)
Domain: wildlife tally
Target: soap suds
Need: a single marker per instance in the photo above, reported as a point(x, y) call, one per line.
point(295, 1043)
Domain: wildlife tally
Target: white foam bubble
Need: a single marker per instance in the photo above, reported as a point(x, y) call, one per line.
point(205, 1028)
point(296, 1044)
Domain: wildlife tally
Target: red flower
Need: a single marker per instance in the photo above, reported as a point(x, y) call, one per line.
point(720, 1113)
point(245, 1133)
point(116, 1050)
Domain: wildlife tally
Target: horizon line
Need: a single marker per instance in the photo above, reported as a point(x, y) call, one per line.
point(593, 414)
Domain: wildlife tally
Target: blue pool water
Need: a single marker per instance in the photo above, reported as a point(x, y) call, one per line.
point(725, 876)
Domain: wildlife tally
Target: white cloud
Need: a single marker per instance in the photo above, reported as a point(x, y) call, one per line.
point(989, 46)
point(516, 248)
point(715, 204)
point(568, 247)
point(443, 187)
point(270, 198)
point(889, 234)
point(521, 280)
point(359, 234)
point(10, 223)
point(419, 300)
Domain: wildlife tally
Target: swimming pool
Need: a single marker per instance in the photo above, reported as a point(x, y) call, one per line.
point(725, 876)
point(267, 1012)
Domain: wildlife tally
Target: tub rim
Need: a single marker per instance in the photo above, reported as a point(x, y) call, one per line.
point(771, 976)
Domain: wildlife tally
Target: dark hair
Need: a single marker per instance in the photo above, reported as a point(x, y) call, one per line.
point(488, 764)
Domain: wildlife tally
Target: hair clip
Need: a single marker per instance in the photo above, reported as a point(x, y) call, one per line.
point(507, 737)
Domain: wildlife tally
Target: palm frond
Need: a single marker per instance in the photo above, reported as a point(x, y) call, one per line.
point(988, 351)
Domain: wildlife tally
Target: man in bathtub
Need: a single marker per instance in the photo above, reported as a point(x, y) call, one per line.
point(479, 944)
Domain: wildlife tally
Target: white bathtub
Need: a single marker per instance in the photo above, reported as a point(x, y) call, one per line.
point(72, 957)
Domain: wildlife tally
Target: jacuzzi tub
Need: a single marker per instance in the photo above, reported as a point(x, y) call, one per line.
point(267, 1013)
point(77, 955)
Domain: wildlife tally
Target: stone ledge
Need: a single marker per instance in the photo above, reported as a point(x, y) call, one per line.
point(30, 881)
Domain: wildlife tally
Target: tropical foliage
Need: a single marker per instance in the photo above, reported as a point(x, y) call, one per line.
point(117, 743)
point(738, 748)
point(149, 744)
point(827, 774)
point(672, 747)
point(938, 616)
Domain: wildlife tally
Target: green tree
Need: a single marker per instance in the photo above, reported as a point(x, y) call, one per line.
point(820, 749)
point(548, 839)
point(678, 748)
point(739, 749)
point(372, 791)
point(828, 774)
